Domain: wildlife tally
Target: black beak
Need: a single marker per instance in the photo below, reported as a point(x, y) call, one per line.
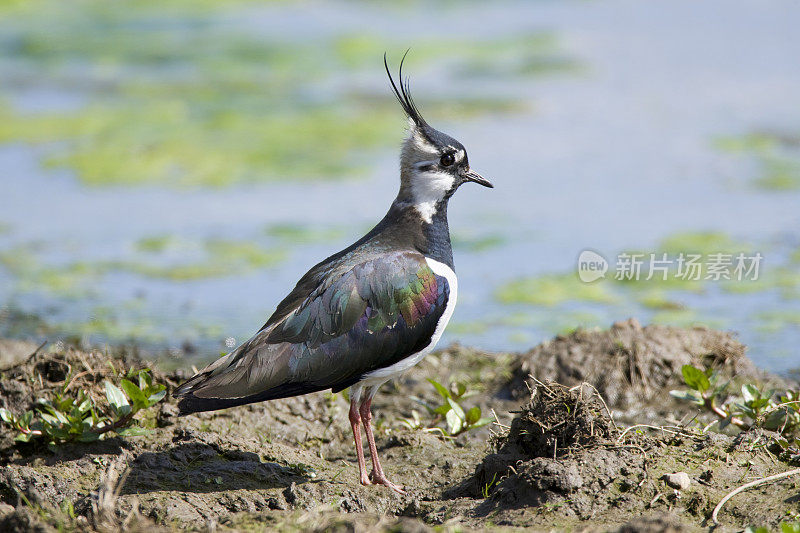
point(477, 178)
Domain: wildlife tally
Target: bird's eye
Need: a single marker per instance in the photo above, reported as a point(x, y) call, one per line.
point(447, 160)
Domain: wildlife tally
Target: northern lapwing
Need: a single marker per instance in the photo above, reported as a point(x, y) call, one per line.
point(366, 314)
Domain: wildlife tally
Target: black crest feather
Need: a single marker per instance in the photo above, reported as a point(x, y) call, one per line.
point(403, 94)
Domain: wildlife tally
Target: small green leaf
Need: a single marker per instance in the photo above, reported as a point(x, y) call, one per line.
point(750, 392)
point(134, 393)
point(460, 389)
point(457, 409)
point(746, 410)
point(689, 396)
point(443, 392)
point(49, 419)
point(116, 398)
point(473, 415)
point(24, 437)
point(776, 419)
point(482, 422)
point(695, 378)
point(453, 422)
point(6, 416)
point(89, 436)
point(133, 431)
point(442, 410)
point(62, 418)
point(157, 396)
point(145, 379)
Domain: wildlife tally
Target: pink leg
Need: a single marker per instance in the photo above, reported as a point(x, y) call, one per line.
point(355, 423)
point(376, 476)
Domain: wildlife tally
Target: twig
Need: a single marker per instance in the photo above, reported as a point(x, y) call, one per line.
point(116, 425)
point(548, 389)
point(746, 486)
point(654, 500)
point(497, 420)
point(75, 377)
point(626, 447)
point(660, 428)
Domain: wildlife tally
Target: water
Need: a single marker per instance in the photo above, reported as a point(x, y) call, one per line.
point(616, 154)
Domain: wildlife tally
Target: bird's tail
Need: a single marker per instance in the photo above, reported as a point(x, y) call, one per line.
point(189, 403)
point(253, 372)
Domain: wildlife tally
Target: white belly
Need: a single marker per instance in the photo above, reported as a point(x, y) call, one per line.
point(382, 375)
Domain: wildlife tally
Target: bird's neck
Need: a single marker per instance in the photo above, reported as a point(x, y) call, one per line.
point(437, 236)
point(404, 226)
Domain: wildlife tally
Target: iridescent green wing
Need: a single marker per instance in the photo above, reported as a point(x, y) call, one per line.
point(368, 316)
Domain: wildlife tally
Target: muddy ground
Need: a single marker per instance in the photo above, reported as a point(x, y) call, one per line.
point(557, 458)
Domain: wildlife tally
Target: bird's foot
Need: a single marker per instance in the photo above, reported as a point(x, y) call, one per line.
point(365, 479)
point(379, 478)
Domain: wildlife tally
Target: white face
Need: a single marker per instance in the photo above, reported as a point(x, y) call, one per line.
point(430, 180)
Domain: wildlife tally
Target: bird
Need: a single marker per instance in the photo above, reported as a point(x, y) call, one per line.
point(366, 314)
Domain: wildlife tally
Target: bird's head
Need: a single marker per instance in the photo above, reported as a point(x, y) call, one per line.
point(432, 164)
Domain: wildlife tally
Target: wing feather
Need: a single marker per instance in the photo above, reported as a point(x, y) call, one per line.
point(367, 317)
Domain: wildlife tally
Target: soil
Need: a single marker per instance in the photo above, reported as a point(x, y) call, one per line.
point(560, 456)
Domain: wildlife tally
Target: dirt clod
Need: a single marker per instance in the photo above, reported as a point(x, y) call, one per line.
point(557, 421)
point(540, 458)
point(629, 364)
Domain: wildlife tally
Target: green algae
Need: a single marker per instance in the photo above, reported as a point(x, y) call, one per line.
point(222, 258)
point(473, 242)
point(244, 252)
point(178, 99)
point(785, 279)
point(777, 156)
point(551, 290)
point(702, 242)
point(166, 143)
point(775, 321)
point(156, 243)
point(219, 258)
point(304, 234)
point(658, 300)
point(779, 174)
point(662, 295)
point(70, 281)
point(131, 321)
point(532, 53)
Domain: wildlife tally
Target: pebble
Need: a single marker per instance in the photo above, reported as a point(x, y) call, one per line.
point(678, 480)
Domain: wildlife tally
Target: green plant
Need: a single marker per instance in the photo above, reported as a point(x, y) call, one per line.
point(457, 419)
point(487, 488)
point(82, 418)
point(785, 527)
point(770, 410)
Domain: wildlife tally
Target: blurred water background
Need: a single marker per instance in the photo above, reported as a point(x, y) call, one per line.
point(168, 170)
